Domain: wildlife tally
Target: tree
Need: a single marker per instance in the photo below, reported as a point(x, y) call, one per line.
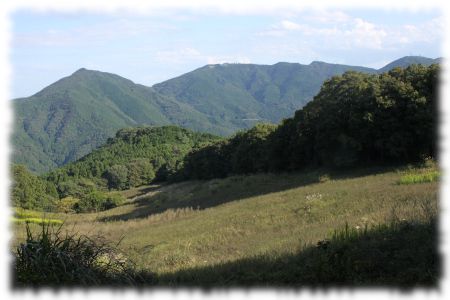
point(117, 176)
point(93, 201)
point(30, 191)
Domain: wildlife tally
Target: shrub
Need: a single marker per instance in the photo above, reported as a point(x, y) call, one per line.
point(113, 200)
point(67, 204)
point(98, 201)
point(91, 202)
point(117, 177)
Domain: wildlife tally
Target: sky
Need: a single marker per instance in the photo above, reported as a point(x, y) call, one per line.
point(149, 49)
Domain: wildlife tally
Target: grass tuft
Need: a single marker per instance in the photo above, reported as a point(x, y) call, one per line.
point(52, 258)
point(430, 176)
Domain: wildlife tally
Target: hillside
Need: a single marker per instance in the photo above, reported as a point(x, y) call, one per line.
point(263, 230)
point(135, 156)
point(76, 114)
point(239, 94)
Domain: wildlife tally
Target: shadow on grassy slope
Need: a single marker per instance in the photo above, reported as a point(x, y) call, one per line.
point(401, 255)
point(210, 193)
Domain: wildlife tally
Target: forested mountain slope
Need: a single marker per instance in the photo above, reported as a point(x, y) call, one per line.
point(239, 94)
point(76, 114)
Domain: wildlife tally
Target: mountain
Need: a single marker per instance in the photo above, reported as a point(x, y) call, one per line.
point(237, 95)
point(410, 60)
point(76, 114)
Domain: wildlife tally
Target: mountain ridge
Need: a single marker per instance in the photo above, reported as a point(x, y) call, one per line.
point(76, 114)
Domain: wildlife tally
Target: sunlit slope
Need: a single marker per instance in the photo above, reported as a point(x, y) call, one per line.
point(201, 223)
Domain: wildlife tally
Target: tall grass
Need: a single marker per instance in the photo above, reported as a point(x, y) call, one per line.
point(52, 258)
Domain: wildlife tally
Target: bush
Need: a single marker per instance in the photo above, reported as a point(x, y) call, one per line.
point(97, 201)
point(117, 177)
point(76, 188)
point(54, 259)
point(67, 204)
point(93, 201)
point(113, 200)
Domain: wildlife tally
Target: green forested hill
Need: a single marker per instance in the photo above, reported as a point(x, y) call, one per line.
point(240, 94)
point(76, 114)
point(135, 156)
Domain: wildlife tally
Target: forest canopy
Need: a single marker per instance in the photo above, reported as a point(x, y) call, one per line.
point(355, 119)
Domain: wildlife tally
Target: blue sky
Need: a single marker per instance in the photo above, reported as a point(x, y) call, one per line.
point(152, 48)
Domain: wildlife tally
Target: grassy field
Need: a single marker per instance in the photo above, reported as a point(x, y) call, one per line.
point(207, 226)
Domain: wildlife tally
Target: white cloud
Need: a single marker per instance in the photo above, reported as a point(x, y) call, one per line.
point(364, 34)
point(427, 32)
point(288, 25)
point(341, 31)
point(281, 28)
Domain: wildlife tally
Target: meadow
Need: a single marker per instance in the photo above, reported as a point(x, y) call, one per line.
point(262, 229)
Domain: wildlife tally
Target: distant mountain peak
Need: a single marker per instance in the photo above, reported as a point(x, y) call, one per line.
point(81, 70)
point(409, 60)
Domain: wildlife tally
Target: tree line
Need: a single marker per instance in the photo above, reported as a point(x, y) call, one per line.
point(355, 119)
